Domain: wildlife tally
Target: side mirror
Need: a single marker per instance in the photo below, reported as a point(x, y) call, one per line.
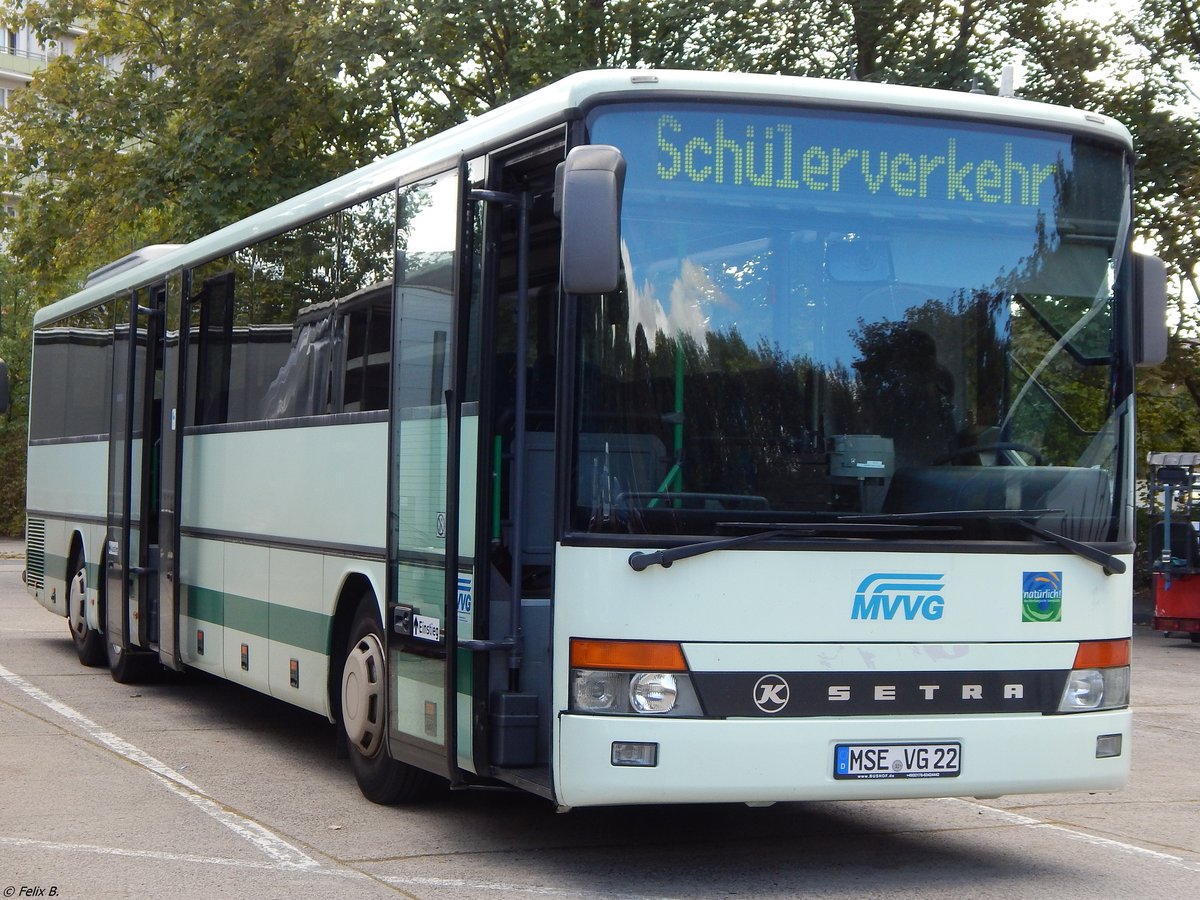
point(1150, 309)
point(587, 198)
point(3, 386)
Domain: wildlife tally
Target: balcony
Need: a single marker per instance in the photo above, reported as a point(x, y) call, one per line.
point(23, 63)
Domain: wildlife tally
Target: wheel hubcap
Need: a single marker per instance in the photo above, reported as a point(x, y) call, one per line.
point(362, 695)
point(77, 604)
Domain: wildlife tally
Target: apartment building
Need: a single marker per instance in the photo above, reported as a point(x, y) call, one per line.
point(22, 54)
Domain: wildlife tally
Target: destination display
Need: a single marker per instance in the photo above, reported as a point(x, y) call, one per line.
point(773, 155)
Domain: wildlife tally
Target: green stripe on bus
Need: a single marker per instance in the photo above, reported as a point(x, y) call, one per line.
point(301, 628)
point(204, 604)
point(54, 565)
point(246, 615)
point(284, 624)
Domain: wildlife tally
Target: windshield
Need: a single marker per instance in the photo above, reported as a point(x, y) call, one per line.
point(827, 313)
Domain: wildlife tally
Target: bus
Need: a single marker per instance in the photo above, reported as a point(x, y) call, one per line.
point(658, 437)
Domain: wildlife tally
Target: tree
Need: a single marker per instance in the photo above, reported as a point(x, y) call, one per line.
point(172, 118)
point(422, 65)
point(175, 117)
point(17, 307)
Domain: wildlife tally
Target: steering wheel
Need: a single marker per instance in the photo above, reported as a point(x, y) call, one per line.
point(1038, 459)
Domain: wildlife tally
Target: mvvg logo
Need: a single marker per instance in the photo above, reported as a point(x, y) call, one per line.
point(883, 595)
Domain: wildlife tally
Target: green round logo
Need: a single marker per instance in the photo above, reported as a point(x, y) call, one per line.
point(1041, 597)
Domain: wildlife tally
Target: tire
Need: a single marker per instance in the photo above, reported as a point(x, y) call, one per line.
point(363, 717)
point(89, 644)
point(132, 666)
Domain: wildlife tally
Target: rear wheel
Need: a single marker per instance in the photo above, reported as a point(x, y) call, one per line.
point(364, 717)
point(130, 666)
point(89, 643)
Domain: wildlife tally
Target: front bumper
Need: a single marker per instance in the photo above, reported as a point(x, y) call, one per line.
point(763, 760)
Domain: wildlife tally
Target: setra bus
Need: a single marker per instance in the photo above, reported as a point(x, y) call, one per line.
point(657, 437)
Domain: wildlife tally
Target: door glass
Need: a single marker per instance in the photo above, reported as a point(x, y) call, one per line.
point(426, 232)
point(131, 349)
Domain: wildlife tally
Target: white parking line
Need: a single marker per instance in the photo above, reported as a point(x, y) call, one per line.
point(400, 881)
point(284, 854)
point(1076, 835)
point(506, 887)
point(164, 856)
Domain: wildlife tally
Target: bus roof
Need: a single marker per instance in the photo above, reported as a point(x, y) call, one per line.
point(555, 103)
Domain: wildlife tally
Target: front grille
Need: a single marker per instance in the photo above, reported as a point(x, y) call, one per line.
point(35, 553)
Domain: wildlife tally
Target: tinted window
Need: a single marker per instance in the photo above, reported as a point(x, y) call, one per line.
point(72, 376)
point(299, 324)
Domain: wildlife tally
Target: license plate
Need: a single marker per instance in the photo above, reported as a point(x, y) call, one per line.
point(856, 761)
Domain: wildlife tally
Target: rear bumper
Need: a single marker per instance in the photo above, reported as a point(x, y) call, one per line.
point(757, 760)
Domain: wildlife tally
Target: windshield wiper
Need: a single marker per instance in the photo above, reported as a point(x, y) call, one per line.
point(1023, 517)
point(1106, 561)
point(640, 561)
point(944, 515)
point(879, 524)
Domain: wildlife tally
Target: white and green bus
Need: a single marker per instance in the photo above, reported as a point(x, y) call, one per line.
point(657, 437)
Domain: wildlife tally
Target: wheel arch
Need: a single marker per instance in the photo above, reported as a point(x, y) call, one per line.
point(355, 588)
point(76, 544)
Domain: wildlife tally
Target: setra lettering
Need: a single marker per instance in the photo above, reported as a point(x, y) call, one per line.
point(887, 693)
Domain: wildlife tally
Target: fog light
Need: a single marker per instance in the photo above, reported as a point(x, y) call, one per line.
point(653, 692)
point(629, 753)
point(1108, 745)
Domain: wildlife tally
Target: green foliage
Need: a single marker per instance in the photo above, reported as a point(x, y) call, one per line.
point(16, 314)
point(418, 67)
point(214, 110)
point(219, 109)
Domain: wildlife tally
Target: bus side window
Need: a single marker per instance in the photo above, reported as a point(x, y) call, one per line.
point(368, 336)
point(213, 358)
point(301, 387)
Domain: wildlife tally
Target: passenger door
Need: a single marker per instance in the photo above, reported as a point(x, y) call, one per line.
point(520, 307)
point(423, 326)
point(131, 545)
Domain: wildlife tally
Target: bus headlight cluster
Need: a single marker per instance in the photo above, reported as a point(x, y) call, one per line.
point(640, 678)
point(1099, 679)
point(633, 693)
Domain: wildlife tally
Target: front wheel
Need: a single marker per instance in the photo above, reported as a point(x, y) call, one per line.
point(89, 644)
point(364, 717)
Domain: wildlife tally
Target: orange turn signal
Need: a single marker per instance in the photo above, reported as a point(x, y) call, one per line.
point(1102, 654)
point(636, 656)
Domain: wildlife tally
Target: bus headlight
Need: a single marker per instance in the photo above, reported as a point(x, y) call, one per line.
point(1093, 689)
point(653, 692)
point(594, 691)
